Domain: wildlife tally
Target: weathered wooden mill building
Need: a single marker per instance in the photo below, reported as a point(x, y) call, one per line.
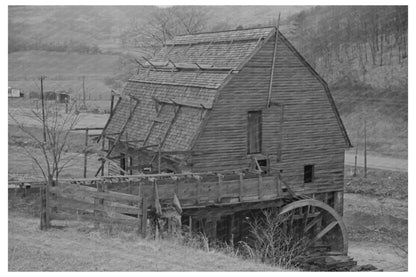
point(237, 102)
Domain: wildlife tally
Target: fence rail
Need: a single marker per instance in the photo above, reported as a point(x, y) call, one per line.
point(99, 204)
point(105, 199)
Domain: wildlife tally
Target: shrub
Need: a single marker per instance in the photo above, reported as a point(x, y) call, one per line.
point(270, 243)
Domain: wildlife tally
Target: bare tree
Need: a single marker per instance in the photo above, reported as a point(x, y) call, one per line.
point(53, 144)
point(57, 129)
point(163, 24)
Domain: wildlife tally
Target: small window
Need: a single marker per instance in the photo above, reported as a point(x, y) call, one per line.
point(308, 173)
point(130, 168)
point(122, 163)
point(254, 132)
point(264, 165)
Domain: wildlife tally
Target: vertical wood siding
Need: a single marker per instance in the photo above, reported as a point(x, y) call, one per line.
point(311, 133)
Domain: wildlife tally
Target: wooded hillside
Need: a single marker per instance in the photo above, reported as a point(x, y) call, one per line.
point(346, 44)
point(361, 51)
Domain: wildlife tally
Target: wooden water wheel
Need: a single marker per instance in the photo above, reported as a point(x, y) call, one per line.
point(319, 223)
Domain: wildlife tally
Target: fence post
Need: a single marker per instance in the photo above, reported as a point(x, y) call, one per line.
point(241, 186)
point(144, 217)
point(220, 178)
point(279, 191)
point(140, 209)
point(198, 188)
point(260, 186)
point(97, 202)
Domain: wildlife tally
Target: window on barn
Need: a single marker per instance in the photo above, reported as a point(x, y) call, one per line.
point(254, 132)
point(264, 165)
point(130, 159)
point(122, 163)
point(308, 174)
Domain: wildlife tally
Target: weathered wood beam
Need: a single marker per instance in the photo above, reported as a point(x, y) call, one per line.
point(119, 136)
point(311, 224)
point(152, 126)
point(108, 121)
point(273, 64)
point(324, 231)
point(87, 128)
point(186, 103)
point(175, 116)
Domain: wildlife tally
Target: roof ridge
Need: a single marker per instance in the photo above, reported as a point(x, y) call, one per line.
point(223, 31)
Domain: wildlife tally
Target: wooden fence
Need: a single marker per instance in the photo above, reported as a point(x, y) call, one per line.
point(74, 201)
point(126, 199)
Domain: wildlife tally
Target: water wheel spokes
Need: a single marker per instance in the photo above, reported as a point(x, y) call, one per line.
point(318, 223)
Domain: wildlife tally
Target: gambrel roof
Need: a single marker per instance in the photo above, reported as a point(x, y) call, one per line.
point(179, 85)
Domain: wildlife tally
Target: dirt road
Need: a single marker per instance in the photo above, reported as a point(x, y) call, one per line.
point(377, 162)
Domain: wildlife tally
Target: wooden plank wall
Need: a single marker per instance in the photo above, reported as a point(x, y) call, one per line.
point(311, 134)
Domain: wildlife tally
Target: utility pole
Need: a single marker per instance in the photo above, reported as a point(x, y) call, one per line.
point(365, 147)
point(85, 153)
point(355, 161)
point(44, 216)
point(43, 109)
point(83, 92)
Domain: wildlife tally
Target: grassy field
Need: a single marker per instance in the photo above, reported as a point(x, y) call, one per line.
point(58, 64)
point(376, 216)
point(380, 183)
point(64, 72)
point(377, 230)
point(21, 166)
point(75, 246)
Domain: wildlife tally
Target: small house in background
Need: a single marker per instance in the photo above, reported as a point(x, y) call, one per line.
point(50, 95)
point(34, 95)
point(62, 97)
point(59, 96)
point(15, 93)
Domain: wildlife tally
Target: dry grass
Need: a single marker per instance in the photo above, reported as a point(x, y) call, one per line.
point(22, 166)
point(378, 183)
point(79, 247)
point(22, 110)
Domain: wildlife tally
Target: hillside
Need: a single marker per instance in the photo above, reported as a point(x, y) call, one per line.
point(91, 25)
point(103, 26)
point(362, 53)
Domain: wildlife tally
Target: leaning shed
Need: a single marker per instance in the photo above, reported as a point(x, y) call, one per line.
point(242, 101)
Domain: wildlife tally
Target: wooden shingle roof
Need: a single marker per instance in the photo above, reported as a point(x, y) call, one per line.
point(186, 79)
point(222, 49)
point(179, 85)
point(230, 35)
